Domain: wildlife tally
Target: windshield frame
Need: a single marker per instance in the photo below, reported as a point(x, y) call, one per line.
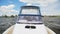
point(34, 7)
point(38, 15)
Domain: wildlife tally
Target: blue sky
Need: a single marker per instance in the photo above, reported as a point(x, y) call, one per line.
point(12, 7)
point(17, 3)
point(14, 4)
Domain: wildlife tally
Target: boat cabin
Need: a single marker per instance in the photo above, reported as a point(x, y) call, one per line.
point(29, 15)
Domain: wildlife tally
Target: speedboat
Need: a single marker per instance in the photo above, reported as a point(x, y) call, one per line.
point(29, 21)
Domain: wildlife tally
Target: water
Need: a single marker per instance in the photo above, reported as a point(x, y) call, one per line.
point(51, 22)
point(6, 23)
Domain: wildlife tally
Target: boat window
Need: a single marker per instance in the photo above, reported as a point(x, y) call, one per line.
point(29, 11)
point(29, 19)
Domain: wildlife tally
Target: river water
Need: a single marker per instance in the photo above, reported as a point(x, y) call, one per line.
point(51, 22)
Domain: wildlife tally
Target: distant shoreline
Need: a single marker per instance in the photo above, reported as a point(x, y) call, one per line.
point(16, 16)
point(8, 16)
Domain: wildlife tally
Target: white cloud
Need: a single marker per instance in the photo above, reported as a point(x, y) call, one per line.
point(8, 10)
point(37, 1)
point(51, 9)
point(41, 2)
point(28, 4)
point(10, 6)
point(7, 7)
point(48, 7)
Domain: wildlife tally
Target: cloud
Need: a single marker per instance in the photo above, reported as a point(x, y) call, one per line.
point(41, 2)
point(28, 4)
point(52, 9)
point(37, 1)
point(7, 7)
point(8, 10)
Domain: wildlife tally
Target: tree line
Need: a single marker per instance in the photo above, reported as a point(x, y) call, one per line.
point(9, 16)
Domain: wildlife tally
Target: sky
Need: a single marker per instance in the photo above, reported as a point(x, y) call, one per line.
point(12, 7)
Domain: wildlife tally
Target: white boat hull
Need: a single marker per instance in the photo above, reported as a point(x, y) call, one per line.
point(21, 30)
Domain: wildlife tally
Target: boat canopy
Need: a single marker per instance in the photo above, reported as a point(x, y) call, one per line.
point(30, 11)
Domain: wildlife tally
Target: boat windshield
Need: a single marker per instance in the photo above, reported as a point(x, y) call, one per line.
point(29, 15)
point(30, 11)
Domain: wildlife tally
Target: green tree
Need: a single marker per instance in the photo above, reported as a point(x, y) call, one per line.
point(5, 16)
point(12, 15)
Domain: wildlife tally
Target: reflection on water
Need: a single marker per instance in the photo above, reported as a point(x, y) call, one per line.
point(52, 22)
